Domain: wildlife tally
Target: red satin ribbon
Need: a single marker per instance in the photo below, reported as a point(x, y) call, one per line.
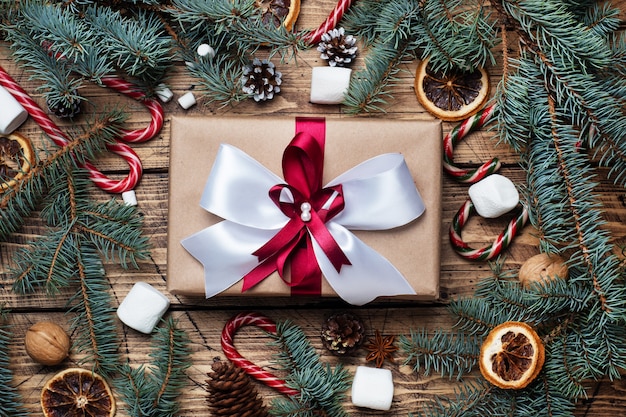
point(303, 164)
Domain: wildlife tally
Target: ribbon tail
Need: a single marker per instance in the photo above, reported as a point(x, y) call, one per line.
point(225, 250)
point(370, 275)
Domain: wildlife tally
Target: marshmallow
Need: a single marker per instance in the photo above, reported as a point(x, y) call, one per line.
point(129, 197)
point(187, 100)
point(205, 50)
point(12, 114)
point(163, 93)
point(143, 307)
point(329, 84)
point(372, 388)
point(493, 196)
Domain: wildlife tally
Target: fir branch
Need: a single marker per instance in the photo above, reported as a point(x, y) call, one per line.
point(368, 89)
point(17, 203)
point(152, 392)
point(471, 400)
point(454, 35)
point(321, 387)
point(80, 233)
point(447, 353)
point(220, 79)
point(125, 40)
point(94, 319)
point(11, 404)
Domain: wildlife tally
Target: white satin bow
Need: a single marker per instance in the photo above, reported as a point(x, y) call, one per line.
point(379, 194)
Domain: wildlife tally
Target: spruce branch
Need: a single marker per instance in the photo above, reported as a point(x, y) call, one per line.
point(94, 318)
point(472, 399)
point(321, 387)
point(18, 202)
point(11, 404)
point(80, 234)
point(152, 391)
point(447, 353)
point(64, 45)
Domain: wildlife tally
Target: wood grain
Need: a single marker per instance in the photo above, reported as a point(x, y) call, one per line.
point(203, 319)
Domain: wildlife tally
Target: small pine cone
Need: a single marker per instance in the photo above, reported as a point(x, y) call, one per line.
point(342, 333)
point(64, 109)
point(232, 393)
point(337, 48)
point(260, 80)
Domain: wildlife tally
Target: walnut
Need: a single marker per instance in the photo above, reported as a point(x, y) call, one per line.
point(47, 343)
point(542, 267)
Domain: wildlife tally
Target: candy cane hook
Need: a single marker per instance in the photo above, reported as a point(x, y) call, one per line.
point(486, 253)
point(255, 371)
point(456, 135)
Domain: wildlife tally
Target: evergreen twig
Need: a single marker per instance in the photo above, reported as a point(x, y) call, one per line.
point(152, 391)
point(11, 404)
point(321, 387)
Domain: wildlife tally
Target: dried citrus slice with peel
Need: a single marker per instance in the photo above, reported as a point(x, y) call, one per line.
point(77, 392)
point(17, 157)
point(511, 355)
point(277, 12)
point(452, 95)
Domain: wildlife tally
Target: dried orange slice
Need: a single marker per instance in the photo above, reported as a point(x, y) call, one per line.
point(77, 392)
point(512, 355)
point(17, 156)
point(277, 12)
point(451, 96)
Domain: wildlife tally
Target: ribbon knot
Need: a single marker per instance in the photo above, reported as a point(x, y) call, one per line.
point(309, 206)
point(271, 222)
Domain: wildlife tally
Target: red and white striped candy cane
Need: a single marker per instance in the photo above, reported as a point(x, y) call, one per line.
point(463, 129)
point(501, 242)
point(331, 21)
point(255, 371)
point(153, 106)
point(118, 148)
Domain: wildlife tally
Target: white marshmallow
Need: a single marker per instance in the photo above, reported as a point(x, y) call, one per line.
point(205, 50)
point(187, 100)
point(494, 196)
point(12, 114)
point(129, 197)
point(143, 307)
point(329, 84)
point(164, 93)
point(372, 388)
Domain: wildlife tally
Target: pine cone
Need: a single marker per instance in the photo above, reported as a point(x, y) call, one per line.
point(231, 392)
point(261, 80)
point(337, 48)
point(343, 333)
point(63, 108)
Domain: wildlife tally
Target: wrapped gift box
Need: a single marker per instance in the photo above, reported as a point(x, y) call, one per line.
point(414, 249)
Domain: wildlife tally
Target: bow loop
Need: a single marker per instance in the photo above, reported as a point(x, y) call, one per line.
point(303, 164)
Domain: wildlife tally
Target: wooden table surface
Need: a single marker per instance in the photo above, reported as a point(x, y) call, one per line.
point(203, 319)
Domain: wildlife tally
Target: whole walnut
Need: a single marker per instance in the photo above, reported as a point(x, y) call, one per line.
point(47, 343)
point(542, 267)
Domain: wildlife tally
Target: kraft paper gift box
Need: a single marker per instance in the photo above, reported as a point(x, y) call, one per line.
point(414, 248)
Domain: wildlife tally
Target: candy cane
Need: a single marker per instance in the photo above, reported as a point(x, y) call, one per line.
point(457, 134)
point(153, 106)
point(331, 21)
point(489, 252)
point(120, 149)
point(228, 335)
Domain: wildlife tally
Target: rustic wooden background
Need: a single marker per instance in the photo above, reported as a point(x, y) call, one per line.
point(204, 319)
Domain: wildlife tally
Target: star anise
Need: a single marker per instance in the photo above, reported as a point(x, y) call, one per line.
point(381, 348)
